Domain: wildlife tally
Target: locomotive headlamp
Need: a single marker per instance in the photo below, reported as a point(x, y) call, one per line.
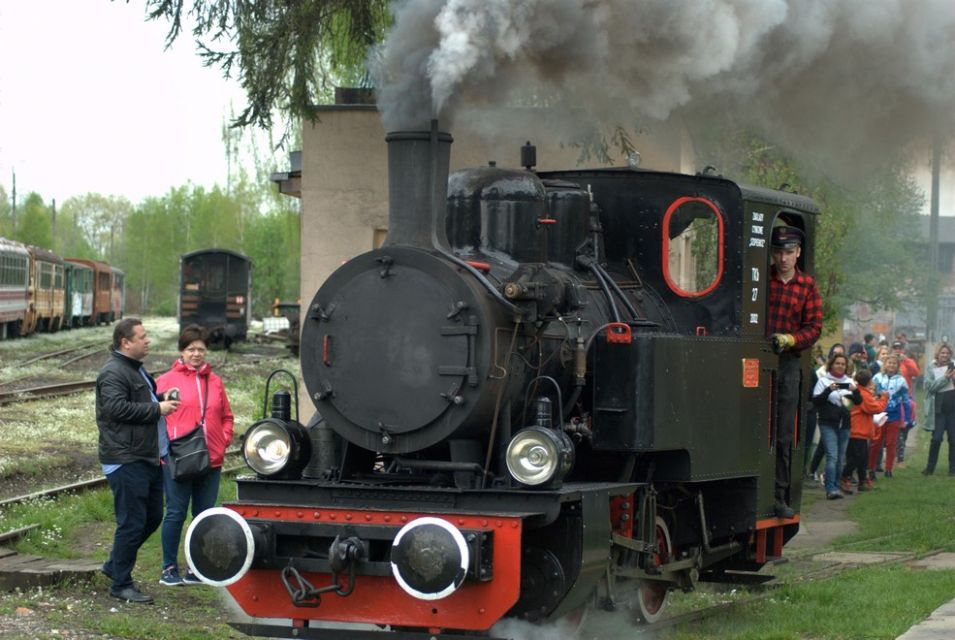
point(276, 448)
point(540, 456)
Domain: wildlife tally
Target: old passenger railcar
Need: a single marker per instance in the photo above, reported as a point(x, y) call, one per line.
point(79, 294)
point(46, 307)
point(102, 289)
point(117, 295)
point(14, 285)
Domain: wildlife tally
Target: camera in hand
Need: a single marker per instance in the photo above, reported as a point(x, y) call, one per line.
point(173, 395)
point(843, 385)
point(951, 365)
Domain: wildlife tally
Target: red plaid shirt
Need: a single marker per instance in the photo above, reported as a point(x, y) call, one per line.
point(795, 307)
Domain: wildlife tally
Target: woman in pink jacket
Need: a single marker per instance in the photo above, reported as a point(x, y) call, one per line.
point(199, 389)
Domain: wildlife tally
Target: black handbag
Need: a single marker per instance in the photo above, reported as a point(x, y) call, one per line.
point(189, 454)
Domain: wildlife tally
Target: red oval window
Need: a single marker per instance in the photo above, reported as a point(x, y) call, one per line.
point(692, 246)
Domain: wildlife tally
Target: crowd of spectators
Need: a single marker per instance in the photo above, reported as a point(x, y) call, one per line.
point(862, 409)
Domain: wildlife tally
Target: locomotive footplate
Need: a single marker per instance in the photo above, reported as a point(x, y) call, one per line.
point(537, 507)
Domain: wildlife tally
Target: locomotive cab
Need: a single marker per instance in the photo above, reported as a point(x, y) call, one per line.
point(543, 391)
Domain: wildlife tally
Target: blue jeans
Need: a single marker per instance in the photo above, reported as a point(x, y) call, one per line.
point(203, 492)
point(835, 441)
point(137, 501)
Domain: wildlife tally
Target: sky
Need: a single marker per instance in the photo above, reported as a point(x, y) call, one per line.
point(90, 101)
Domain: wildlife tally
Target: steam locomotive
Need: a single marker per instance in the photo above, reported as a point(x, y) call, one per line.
point(546, 391)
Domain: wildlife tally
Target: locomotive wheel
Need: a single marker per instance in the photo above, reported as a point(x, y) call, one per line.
point(651, 597)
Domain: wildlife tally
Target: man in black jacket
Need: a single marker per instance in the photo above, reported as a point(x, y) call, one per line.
point(129, 415)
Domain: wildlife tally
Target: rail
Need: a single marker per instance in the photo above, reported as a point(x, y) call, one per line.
point(94, 483)
point(60, 352)
point(45, 391)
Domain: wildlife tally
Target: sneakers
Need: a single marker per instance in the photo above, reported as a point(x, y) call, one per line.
point(834, 496)
point(845, 485)
point(170, 577)
point(190, 578)
point(888, 473)
point(131, 594)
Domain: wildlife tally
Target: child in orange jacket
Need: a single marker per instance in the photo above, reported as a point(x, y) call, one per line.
point(863, 429)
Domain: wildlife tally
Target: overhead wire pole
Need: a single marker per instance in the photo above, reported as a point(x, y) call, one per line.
point(931, 306)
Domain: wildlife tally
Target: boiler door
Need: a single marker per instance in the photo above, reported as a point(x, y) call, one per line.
point(389, 349)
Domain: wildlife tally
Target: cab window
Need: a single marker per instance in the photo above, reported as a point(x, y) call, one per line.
point(693, 246)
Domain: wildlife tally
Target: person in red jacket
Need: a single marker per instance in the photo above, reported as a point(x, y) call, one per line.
point(908, 367)
point(203, 405)
point(862, 431)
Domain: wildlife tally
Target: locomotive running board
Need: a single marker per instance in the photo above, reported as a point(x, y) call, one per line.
point(279, 631)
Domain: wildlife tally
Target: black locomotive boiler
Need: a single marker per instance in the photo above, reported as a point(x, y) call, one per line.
point(545, 391)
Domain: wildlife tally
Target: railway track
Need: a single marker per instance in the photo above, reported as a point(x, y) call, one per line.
point(77, 353)
point(93, 483)
point(45, 391)
point(52, 390)
point(91, 347)
point(41, 391)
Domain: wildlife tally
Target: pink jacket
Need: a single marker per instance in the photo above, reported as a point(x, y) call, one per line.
point(192, 389)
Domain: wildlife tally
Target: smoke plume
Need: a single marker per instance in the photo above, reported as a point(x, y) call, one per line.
point(849, 78)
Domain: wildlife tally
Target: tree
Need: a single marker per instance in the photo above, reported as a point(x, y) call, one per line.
point(6, 214)
point(98, 220)
point(285, 54)
point(34, 223)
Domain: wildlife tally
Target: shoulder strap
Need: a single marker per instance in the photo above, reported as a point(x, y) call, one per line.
point(205, 403)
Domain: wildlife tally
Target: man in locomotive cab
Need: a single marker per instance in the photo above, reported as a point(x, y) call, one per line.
point(794, 323)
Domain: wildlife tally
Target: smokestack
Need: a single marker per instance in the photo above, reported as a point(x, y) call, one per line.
point(418, 188)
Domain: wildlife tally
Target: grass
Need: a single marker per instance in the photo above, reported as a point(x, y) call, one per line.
point(909, 513)
point(871, 603)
